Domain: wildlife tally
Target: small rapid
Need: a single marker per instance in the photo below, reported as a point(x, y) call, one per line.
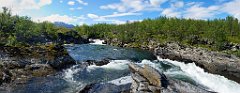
point(117, 72)
point(97, 41)
point(214, 82)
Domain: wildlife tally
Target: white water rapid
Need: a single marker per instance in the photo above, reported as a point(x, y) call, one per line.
point(97, 41)
point(214, 82)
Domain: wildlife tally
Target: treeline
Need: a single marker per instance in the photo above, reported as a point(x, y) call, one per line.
point(21, 31)
point(217, 34)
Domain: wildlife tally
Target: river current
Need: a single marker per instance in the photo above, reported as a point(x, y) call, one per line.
point(116, 72)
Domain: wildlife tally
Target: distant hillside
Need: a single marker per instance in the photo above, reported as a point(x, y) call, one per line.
point(62, 24)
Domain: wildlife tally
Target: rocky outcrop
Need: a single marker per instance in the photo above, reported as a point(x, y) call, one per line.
point(18, 64)
point(148, 80)
point(145, 79)
point(213, 62)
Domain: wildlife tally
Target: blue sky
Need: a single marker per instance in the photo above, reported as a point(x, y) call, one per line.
point(79, 12)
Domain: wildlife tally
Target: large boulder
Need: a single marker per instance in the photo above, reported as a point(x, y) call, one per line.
point(148, 80)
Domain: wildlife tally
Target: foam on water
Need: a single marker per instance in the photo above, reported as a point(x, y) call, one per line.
point(68, 73)
point(122, 81)
point(214, 82)
point(114, 64)
point(97, 41)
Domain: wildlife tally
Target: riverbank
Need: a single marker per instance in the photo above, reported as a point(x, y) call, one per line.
point(19, 64)
point(211, 61)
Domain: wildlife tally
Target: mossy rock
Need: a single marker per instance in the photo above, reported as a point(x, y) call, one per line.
point(40, 70)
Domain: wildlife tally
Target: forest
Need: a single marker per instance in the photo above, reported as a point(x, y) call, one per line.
point(213, 34)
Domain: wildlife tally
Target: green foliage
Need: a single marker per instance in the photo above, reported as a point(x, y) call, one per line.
point(213, 34)
point(12, 41)
point(22, 31)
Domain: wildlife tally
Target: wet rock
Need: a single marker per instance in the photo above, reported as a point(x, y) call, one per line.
point(39, 70)
point(138, 78)
point(163, 85)
point(13, 63)
point(213, 62)
point(144, 77)
point(18, 64)
point(98, 63)
point(105, 88)
point(62, 62)
point(60, 59)
point(153, 76)
point(5, 76)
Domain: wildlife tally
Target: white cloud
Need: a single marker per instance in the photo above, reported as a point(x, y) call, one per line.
point(79, 8)
point(120, 14)
point(232, 8)
point(44, 2)
point(18, 6)
point(71, 3)
point(72, 9)
point(134, 5)
point(106, 18)
point(61, 1)
point(193, 10)
point(157, 2)
point(199, 12)
point(61, 18)
point(115, 14)
point(82, 2)
point(178, 4)
point(174, 9)
point(170, 12)
point(93, 16)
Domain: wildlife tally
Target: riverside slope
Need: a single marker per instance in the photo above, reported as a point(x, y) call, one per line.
point(213, 62)
point(19, 64)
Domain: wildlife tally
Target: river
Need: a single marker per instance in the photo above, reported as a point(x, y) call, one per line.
point(116, 72)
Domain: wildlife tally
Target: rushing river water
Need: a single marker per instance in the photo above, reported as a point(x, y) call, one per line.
point(73, 79)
